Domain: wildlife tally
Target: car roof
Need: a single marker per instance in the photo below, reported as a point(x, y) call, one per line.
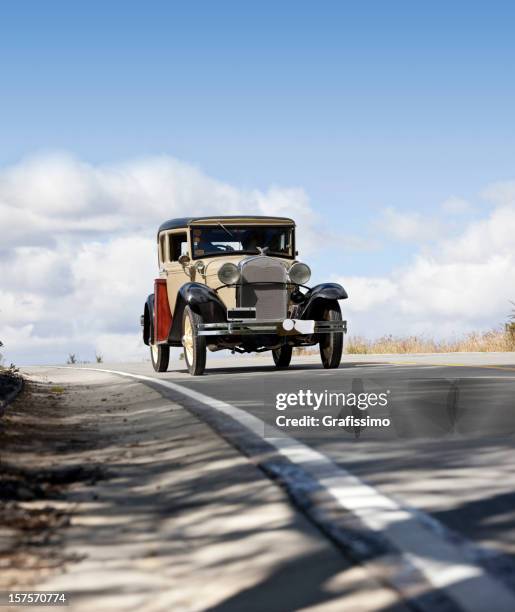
point(186, 221)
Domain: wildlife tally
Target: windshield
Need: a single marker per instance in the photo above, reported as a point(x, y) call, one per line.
point(224, 239)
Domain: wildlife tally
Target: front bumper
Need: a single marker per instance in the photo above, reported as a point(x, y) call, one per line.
point(287, 327)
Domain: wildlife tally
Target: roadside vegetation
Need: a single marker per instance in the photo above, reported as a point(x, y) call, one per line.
point(497, 340)
point(10, 385)
point(500, 341)
point(10, 370)
point(74, 359)
point(485, 342)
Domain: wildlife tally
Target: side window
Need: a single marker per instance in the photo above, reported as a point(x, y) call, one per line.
point(162, 248)
point(178, 245)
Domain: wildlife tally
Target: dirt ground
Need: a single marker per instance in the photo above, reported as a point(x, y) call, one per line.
point(40, 445)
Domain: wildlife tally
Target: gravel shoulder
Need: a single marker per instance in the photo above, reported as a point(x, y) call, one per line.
point(127, 501)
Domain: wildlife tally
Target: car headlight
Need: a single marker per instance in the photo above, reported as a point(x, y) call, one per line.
point(200, 267)
point(300, 273)
point(229, 274)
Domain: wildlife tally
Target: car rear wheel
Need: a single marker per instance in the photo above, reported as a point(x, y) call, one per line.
point(282, 356)
point(194, 345)
point(160, 356)
point(331, 345)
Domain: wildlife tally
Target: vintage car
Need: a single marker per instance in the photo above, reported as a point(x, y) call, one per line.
point(235, 283)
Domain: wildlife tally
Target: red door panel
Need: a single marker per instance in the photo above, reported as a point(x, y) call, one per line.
point(162, 314)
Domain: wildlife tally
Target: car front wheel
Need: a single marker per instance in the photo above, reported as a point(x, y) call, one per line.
point(331, 345)
point(160, 355)
point(194, 345)
point(282, 356)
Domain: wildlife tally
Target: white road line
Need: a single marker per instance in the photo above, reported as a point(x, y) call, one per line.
point(445, 564)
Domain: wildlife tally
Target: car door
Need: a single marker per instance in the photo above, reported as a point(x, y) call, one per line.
point(176, 244)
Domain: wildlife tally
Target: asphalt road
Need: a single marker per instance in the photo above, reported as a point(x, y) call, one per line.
point(447, 451)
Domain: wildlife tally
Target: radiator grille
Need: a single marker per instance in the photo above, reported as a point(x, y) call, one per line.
point(270, 300)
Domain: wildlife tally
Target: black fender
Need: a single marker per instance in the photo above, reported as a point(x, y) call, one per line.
point(148, 318)
point(201, 299)
point(314, 299)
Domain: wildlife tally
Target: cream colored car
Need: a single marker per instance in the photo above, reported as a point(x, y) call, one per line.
point(235, 283)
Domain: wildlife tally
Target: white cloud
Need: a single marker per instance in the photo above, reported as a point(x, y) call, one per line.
point(78, 255)
point(461, 277)
point(409, 226)
point(369, 293)
point(455, 206)
point(120, 347)
point(501, 193)
point(461, 284)
point(48, 197)
point(481, 240)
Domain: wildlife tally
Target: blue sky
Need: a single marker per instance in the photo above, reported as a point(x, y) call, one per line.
point(366, 106)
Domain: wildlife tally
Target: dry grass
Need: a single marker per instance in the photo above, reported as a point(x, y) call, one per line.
point(477, 342)
point(494, 341)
